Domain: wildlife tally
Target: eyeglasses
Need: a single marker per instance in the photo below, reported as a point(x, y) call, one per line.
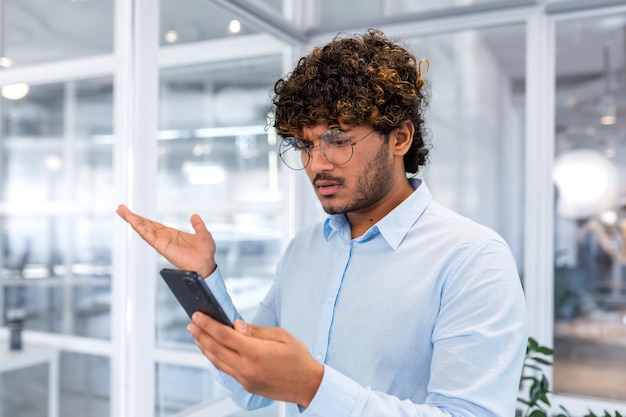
point(335, 146)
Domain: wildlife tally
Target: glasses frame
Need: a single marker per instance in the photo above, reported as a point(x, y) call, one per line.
point(287, 141)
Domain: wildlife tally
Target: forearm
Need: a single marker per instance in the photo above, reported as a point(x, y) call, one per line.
point(237, 393)
point(340, 396)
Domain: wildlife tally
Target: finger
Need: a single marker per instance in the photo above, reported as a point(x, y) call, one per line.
point(224, 358)
point(135, 221)
point(226, 336)
point(275, 334)
point(124, 212)
point(198, 225)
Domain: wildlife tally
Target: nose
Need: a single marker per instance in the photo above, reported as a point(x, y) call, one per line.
point(317, 162)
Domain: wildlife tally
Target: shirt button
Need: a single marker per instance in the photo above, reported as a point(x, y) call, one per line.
point(330, 299)
point(319, 357)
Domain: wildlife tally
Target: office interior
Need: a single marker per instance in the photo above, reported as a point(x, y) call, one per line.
point(164, 106)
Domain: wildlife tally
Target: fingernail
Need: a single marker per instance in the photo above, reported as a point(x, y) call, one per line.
point(243, 327)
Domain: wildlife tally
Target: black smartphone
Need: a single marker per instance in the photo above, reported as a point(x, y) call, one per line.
point(193, 294)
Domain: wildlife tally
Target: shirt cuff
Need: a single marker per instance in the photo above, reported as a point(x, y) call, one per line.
point(337, 396)
point(216, 284)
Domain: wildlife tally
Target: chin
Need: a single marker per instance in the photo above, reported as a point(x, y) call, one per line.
point(330, 209)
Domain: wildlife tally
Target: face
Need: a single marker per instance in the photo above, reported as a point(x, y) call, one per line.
point(357, 185)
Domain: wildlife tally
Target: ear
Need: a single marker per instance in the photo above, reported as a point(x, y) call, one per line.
point(402, 138)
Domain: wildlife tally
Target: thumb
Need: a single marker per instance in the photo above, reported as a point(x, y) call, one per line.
point(198, 224)
point(258, 332)
point(241, 326)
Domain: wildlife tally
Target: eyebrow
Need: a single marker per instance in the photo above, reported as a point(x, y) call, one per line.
point(346, 131)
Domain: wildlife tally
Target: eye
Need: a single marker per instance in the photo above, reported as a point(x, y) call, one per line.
point(337, 139)
point(341, 141)
point(296, 144)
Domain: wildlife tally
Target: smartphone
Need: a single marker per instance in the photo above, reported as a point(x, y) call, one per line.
point(193, 294)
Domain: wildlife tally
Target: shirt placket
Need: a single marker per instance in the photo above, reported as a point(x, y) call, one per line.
point(327, 313)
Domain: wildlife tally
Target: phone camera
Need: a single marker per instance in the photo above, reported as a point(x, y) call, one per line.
point(191, 285)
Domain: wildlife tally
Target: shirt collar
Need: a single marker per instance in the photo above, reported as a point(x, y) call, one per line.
point(396, 224)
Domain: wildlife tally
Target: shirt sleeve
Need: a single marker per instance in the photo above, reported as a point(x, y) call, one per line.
point(234, 389)
point(340, 396)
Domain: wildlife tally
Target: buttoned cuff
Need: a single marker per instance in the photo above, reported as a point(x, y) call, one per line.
point(216, 284)
point(337, 396)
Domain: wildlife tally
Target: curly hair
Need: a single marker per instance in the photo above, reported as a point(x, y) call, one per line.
point(364, 79)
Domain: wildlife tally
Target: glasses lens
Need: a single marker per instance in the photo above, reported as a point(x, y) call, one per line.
point(294, 153)
point(336, 146)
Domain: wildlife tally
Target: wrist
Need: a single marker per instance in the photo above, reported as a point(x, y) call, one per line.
point(311, 386)
point(208, 269)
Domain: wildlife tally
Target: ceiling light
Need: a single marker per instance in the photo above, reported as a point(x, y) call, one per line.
point(607, 120)
point(171, 36)
point(608, 109)
point(587, 183)
point(53, 162)
point(5, 62)
point(15, 91)
point(234, 26)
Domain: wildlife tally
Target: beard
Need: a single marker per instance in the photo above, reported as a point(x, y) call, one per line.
point(371, 186)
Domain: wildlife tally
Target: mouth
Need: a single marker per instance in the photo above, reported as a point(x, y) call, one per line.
point(327, 187)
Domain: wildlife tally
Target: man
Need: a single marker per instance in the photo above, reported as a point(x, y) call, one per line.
point(393, 306)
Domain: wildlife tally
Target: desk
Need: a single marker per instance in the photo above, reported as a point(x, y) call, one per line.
point(12, 360)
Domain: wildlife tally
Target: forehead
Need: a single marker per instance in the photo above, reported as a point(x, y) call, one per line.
point(316, 131)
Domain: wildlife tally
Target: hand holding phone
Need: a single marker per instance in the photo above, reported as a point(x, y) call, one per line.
point(193, 294)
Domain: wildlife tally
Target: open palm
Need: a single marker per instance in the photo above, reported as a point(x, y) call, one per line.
point(190, 251)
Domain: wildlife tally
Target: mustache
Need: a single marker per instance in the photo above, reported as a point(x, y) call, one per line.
point(326, 177)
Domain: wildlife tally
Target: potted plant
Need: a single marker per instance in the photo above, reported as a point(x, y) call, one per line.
point(535, 386)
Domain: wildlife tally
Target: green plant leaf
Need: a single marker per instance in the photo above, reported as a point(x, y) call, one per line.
point(538, 413)
point(544, 399)
point(535, 392)
point(541, 360)
point(545, 350)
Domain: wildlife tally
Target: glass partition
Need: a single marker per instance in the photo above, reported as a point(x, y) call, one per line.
point(476, 121)
point(56, 162)
point(590, 217)
point(201, 20)
point(344, 13)
point(218, 157)
point(55, 253)
point(34, 31)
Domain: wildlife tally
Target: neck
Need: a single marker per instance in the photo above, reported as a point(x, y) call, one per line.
point(362, 220)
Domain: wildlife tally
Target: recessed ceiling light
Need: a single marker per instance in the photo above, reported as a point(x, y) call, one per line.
point(15, 91)
point(234, 26)
point(607, 120)
point(171, 36)
point(5, 62)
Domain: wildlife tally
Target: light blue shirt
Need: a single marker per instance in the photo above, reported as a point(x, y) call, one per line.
point(423, 315)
